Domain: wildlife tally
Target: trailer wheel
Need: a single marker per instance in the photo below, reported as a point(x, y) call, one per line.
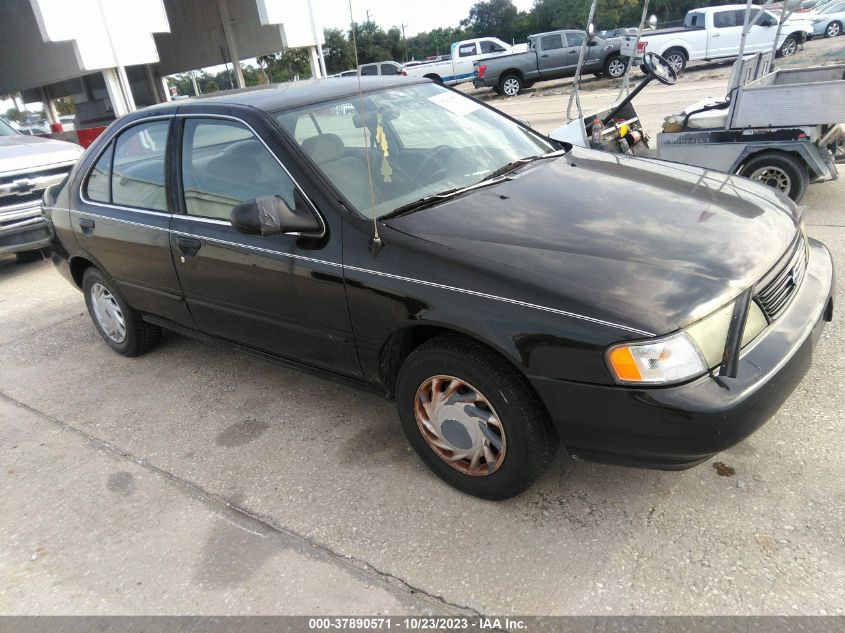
point(778, 170)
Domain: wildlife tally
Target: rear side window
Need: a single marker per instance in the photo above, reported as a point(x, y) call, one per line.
point(467, 50)
point(551, 42)
point(694, 20)
point(369, 70)
point(224, 164)
point(725, 19)
point(97, 187)
point(137, 178)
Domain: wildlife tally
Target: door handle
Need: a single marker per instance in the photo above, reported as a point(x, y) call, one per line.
point(544, 55)
point(87, 225)
point(717, 35)
point(188, 245)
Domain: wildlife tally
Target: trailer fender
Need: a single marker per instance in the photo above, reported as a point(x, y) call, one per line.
point(817, 159)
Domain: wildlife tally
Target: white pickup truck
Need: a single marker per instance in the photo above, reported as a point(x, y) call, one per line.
point(459, 68)
point(715, 33)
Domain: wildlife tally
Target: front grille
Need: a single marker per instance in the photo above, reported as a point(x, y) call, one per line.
point(23, 187)
point(6, 179)
point(774, 298)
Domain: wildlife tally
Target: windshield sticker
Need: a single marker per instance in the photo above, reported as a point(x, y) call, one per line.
point(454, 103)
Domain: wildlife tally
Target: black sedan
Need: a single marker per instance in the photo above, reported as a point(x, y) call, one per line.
point(510, 293)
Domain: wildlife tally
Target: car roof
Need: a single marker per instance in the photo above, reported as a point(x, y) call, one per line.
point(722, 8)
point(283, 96)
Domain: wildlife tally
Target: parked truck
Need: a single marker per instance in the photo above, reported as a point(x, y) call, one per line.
point(715, 33)
point(459, 67)
point(550, 56)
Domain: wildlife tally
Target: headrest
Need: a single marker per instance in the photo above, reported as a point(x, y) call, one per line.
point(323, 148)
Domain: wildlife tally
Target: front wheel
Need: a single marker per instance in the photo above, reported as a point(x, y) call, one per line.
point(120, 326)
point(780, 171)
point(510, 85)
point(473, 419)
point(789, 46)
point(614, 67)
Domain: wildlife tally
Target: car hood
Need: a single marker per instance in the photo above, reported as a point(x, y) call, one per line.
point(660, 243)
point(22, 153)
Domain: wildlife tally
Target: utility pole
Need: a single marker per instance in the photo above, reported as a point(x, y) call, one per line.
point(368, 14)
point(404, 42)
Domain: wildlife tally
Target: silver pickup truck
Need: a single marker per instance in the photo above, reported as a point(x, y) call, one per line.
point(28, 165)
point(550, 56)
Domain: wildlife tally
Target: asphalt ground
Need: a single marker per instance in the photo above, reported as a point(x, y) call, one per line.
point(197, 480)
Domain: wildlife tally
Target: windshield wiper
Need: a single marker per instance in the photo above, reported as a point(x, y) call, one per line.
point(440, 197)
point(519, 162)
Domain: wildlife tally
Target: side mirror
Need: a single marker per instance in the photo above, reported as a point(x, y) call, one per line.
point(652, 22)
point(591, 31)
point(271, 215)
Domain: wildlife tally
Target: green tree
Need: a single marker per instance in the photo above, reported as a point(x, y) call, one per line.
point(337, 51)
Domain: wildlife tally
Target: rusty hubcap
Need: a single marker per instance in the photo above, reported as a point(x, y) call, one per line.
point(460, 425)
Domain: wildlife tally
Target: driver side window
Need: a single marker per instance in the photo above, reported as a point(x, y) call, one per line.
point(224, 164)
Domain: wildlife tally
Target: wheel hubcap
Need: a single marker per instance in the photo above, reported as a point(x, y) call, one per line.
point(833, 29)
point(460, 425)
point(511, 87)
point(615, 68)
point(108, 314)
point(676, 62)
point(789, 48)
point(773, 177)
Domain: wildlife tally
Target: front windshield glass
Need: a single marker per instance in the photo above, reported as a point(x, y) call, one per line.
point(420, 139)
point(833, 8)
point(6, 129)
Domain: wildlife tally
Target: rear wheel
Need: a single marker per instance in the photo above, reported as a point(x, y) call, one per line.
point(789, 46)
point(833, 29)
point(120, 326)
point(677, 59)
point(780, 171)
point(510, 85)
point(614, 67)
point(473, 419)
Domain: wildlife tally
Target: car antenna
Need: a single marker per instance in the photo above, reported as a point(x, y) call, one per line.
point(375, 241)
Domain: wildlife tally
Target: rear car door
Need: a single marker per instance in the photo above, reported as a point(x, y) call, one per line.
point(121, 217)
point(553, 56)
point(726, 33)
point(281, 293)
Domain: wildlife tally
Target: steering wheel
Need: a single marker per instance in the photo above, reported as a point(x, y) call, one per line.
point(440, 153)
point(659, 68)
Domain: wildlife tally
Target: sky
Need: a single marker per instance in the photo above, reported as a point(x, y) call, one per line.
point(417, 15)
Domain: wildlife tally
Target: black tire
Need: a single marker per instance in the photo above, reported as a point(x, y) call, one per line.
point(789, 47)
point(511, 85)
point(27, 257)
point(780, 164)
point(833, 29)
point(139, 336)
point(598, 74)
point(614, 67)
point(530, 440)
point(677, 58)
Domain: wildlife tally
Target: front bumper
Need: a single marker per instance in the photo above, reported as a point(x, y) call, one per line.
point(27, 230)
point(681, 426)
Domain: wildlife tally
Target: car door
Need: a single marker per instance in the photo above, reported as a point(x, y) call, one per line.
point(553, 56)
point(121, 217)
point(726, 33)
point(283, 294)
point(760, 37)
point(592, 57)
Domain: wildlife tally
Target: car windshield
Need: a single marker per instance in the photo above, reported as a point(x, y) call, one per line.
point(419, 140)
point(6, 129)
point(832, 8)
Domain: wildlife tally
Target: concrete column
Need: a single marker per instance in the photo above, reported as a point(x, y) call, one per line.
point(127, 89)
point(155, 86)
point(166, 89)
point(49, 108)
point(316, 70)
point(230, 42)
point(115, 91)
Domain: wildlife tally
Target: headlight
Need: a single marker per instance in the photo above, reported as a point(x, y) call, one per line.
point(671, 359)
point(683, 355)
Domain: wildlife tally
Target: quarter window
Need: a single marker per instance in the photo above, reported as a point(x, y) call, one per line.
point(137, 178)
point(224, 164)
point(97, 187)
point(551, 42)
